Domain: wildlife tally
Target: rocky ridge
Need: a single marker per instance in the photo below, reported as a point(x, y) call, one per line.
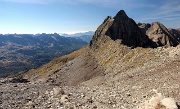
point(159, 34)
point(124, 28)
point(111, 74)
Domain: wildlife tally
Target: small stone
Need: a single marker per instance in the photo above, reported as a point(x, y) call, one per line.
point(15, 85)
point(128, 94)
point(30, 103)
point(46, 93)
point(134, 101)
point(56, 91)
point(144, 96)
point(28, 99)
point(62, 92)
point(64, 98)
point(71, 108)
point(95, 107)
point(51, 93)
point(90, 100)
point(82, 95)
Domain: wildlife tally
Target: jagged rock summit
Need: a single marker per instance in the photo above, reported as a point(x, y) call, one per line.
point(134, 35)
point(124, 28)
point(160, 35)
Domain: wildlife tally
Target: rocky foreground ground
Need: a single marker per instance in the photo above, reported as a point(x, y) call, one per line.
point(49, 96)
point(45, 96)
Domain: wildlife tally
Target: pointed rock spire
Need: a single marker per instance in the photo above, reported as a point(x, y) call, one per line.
point(126, 29)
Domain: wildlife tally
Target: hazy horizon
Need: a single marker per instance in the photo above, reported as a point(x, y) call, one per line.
point(68, 33)
point(74, 16)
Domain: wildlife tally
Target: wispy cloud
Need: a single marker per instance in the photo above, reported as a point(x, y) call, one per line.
point(64, 1)
point(29, 1)
point(165, 17)
point(169, 10)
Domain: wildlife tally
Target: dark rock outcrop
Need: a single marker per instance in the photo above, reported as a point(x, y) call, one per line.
point(176, 34)
point(124, 28)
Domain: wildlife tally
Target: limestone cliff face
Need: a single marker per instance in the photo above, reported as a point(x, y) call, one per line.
point(159, 34)
point(121, 27)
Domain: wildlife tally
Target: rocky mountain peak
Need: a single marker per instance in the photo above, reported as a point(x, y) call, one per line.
point(121, 15)
point(159, 34)
point(124, 28)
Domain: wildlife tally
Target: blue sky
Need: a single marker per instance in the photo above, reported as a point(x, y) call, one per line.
point(71, 16)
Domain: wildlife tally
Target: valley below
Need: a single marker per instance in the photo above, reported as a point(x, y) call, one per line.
point(20, 53)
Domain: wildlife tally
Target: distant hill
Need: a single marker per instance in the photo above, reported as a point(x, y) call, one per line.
point(85, 36)
point(21, 52)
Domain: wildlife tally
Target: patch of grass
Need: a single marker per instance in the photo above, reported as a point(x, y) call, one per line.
point(128, 56)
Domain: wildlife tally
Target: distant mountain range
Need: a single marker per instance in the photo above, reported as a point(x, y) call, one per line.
point(85, 36)
point(21, 52)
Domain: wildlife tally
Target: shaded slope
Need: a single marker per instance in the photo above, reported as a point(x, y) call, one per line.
point(52, 67)
point(176, 34)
